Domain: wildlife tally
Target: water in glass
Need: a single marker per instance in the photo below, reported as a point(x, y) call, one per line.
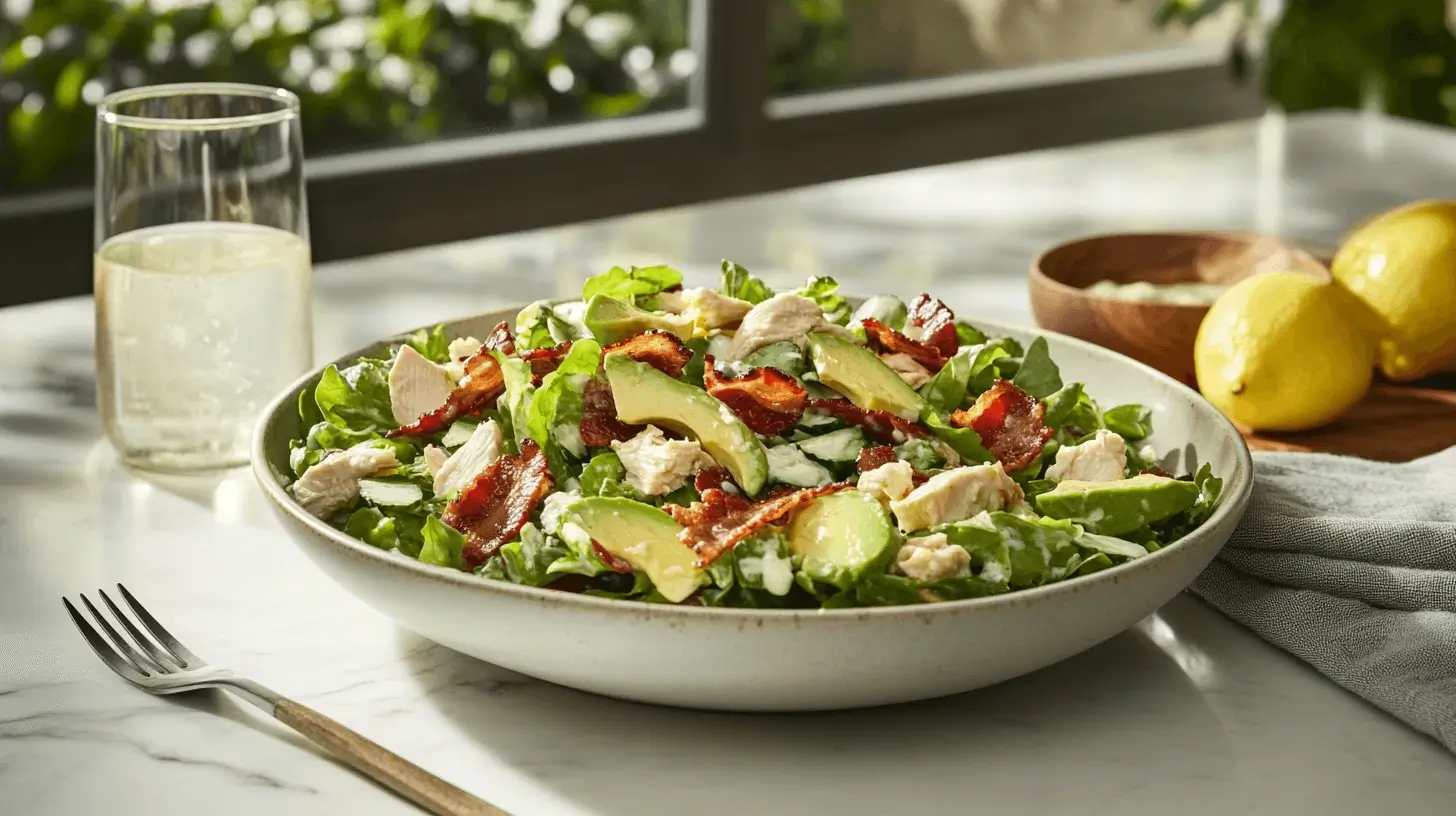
point(198, 325)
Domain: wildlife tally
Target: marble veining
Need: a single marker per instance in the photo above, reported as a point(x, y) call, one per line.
point(1186, 713)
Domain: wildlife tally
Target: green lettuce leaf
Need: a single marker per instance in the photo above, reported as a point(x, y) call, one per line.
point(527, 560)
point(987, 362)
point(738, 283)
point(604, 475)
point(968, 335)
point(959, 589)
point(434, 344)
point(442, 544)
point(372, 527)
point(630, 284)
point(887, 309)
point(963, 441)
point(1210, 488)
point(970, 372)
point(786, 356)
point(579, 557)
point(356, 398)
point(543, 324)
point(553, 417)
point(1061, 404)
point(921, 453)
point(947, 389)
point(1131, 422)
point(517, 400)
point(1038, 375)
point(823, 291)
point(882, 589)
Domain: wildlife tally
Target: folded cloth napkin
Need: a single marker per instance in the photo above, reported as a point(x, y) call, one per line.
point(1350, 565)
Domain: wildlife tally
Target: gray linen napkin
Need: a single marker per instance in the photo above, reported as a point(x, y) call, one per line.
point(1350, 565)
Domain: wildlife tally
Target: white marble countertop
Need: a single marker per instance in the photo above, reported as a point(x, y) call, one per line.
point(1188, 713)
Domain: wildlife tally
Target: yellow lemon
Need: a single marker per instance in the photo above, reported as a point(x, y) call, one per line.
point(1403, 265)
point(1284, 352)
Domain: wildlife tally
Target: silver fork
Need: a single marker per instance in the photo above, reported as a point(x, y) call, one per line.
point(159, 664)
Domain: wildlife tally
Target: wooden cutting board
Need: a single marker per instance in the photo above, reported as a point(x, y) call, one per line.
point(1394, 423)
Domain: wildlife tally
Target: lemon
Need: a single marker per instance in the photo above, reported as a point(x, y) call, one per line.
point(1284, 352)
point(1403, 265)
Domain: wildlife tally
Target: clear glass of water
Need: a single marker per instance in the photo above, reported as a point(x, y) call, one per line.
point(202, 268)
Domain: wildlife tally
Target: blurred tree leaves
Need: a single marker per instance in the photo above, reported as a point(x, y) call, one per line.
point(369, 72)
point(1397, 54)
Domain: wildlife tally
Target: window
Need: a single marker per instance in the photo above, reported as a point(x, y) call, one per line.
point(819, 45)
point(370, 73)
point(430, 122)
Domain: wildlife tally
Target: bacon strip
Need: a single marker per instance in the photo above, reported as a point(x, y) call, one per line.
point(936, 323)
point(715, 478)
point(889, 341)
point(881, 455)
point(1010, 422)
point(711, 538)
point(871, 458)
point(611, 559)
point(494, 507)
point(713, 504)
point(659, 349)
point(599, 424)
point(545, 360)
point(501, 339)
point(482, 385)
point(766, 399)
point(882, 424)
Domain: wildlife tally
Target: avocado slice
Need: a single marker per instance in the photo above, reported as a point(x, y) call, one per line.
point(644, 394)
point(1116, 508)
point(842, 537)
point(857, 373)
point(644, 537)
point(610, 320)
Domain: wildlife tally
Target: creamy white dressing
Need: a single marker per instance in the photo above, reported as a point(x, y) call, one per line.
point(774, 571)
point(1193, 293)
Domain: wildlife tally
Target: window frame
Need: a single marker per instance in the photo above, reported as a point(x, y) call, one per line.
point(733, 139)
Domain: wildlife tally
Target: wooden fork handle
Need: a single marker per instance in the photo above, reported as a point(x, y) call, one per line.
point(383, 766)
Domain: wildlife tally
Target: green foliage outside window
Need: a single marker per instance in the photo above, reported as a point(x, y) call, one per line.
point(1396, 55)
point(369, 72)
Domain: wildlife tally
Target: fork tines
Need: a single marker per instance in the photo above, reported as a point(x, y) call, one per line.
point(160, 652)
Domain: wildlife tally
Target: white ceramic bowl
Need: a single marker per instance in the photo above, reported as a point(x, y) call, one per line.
point(776, 660)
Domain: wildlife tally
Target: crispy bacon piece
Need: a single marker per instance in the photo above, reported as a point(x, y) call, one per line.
point(501, 339)
point(482, 385)
point(1009, 421)
point(714, 478)
point(712, 505)
point(599, 424)
point(1157, 471)
point(871, 458)
point(881, 424)
point(711, 538)
point(491, 510)
point(888, 341)
point(545, 360)
point(612, 560)
point(766, 399)
point(936, 323)
point(659, 349)
point(880, 455)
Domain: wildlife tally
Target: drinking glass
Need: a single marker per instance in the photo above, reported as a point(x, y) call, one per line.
point(202, 268)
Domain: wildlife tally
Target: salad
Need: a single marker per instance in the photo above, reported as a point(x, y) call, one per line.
point(736, 446)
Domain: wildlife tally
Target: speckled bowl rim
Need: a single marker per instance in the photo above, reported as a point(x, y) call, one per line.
point(1237, 488)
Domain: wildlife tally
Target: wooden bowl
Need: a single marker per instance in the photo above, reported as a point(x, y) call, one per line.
point(1159, 334)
